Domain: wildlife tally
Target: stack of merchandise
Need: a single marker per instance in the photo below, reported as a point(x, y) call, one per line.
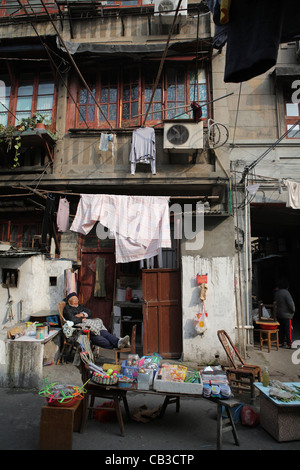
point(139, 372)
point(215, 383)
point(176, 378)
point(148, 366)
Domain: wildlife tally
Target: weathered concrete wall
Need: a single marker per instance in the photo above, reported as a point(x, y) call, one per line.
point(21, 362)
point(216, 259)
point(33, 288)
point(219, 305)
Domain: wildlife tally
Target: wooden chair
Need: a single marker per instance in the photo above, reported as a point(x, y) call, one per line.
point(66, 341)
point(241, 376)
point(130, 349)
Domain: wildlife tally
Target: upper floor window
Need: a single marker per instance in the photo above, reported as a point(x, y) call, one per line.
point(125, 96)
point(9, 8)
point(292, 108)
point(31, 93)
point(20, 234)
point(12, 8)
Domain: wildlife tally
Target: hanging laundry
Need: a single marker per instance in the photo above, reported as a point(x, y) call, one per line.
point(224, 11)
point(293, 194)
point(141, 224)
point(143, 148)
point(99, 289)
point(220, 33)
point(63, 213)
point(104, 141)
point(48, 225)
point(254, 32)
point(71, 280)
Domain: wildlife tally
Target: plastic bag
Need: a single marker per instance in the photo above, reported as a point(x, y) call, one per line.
point(249, 417)
point(200, 323)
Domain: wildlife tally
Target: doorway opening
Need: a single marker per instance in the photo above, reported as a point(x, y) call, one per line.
point(275, 234)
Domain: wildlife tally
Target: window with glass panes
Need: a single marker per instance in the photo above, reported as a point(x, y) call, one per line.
point(34, 94)
point(19, 233)
point(5, 91)
point(13, 8)
point(126, 99)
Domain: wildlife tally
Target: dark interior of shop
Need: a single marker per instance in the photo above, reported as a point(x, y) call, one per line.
point(275, 232)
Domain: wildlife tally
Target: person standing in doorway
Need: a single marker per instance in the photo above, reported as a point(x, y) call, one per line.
point(285, 312)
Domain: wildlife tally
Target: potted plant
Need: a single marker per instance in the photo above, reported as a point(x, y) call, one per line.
point(41, 121)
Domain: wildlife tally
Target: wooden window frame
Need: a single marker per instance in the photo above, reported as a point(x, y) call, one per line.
point(135, 120)
point(19, 224)
point(37, 77)
point(31, 9)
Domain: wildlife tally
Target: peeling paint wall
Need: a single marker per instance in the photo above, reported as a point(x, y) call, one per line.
point(21, 366)
point(34, 289)
point(219, 305)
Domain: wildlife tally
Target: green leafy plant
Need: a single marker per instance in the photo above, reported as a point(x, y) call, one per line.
point(10, 136)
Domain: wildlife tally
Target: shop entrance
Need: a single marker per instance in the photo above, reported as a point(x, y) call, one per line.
point(157, 285)
point(275, 234)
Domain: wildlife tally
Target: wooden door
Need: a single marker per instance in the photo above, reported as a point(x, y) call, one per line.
point(101, 307)
point(162, 312)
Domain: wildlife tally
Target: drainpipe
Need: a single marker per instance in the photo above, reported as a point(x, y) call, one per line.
point(247, 265)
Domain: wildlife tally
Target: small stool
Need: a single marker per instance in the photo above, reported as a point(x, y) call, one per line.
point(57, 426)
point(268, 339)
point(226, 424)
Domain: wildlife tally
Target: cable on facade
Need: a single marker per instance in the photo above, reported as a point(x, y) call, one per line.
point(52, 61)
point(162, 61)
point(253, 164)
point(75, 66)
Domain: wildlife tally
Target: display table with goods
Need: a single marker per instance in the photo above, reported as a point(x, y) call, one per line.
point(148, 375)
point(280, 409)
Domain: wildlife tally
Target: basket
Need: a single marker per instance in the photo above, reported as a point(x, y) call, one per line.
point(268, 327)
point(128, 370)
point(104, 380)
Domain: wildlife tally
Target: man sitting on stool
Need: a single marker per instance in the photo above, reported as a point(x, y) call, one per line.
point(77, 313)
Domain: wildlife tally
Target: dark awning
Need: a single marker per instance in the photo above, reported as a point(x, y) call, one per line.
point(104, 49)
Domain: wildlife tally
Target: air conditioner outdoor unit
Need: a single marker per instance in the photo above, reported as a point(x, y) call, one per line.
point(167, 8)
point(183, 136)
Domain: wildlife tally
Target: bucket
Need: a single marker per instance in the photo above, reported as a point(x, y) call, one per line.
point(40, 332)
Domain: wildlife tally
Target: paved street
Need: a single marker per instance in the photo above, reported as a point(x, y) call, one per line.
point(193, 429)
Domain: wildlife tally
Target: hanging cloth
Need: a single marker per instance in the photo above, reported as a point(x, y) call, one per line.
point(143, 148)
point(48, 225)
point(63, 213)
point(99, 289)
point(293, 194)
point(140, 224)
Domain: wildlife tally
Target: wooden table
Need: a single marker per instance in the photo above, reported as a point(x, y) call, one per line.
point(118, 394)
point(280, 419)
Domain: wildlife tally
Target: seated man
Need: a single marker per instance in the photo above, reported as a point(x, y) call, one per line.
point(78, 314)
